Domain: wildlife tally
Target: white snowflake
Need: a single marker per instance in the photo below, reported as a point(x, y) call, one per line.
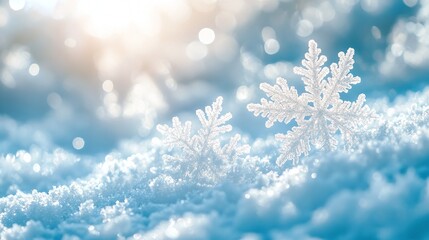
point(319, 112)
point(202, 157)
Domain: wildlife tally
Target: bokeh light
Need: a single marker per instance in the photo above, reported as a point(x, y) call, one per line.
point(78, 143)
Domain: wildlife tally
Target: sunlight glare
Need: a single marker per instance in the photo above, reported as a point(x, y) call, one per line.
point(104, 18)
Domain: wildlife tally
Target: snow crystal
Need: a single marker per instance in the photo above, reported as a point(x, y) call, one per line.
point(319, 112)
point(203, 156)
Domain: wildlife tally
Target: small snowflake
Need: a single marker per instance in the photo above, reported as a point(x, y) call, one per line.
point(204, 157)
point(319, 112)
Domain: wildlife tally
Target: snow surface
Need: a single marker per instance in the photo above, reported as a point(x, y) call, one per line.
point(337, 194)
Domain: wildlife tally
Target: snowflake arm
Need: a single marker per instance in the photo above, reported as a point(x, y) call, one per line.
point(295, 143)
point(285, 105)
point(341, 79)
point(347, 117)
point(178, 136)
point(213, 125)
point(233, 149)
point(312, 71)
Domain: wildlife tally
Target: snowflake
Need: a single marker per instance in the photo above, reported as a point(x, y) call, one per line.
point(319, 112)
point(202, 157)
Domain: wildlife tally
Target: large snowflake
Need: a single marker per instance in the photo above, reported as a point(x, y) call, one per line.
point(319, 112)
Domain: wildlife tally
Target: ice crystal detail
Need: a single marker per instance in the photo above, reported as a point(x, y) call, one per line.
point(202, 157)
point(319, 112)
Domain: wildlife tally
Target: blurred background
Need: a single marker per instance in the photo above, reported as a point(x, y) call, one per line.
point(85, 75)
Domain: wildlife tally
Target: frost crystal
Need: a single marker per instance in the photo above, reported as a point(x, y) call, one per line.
point(319, 112)
point(202, 156)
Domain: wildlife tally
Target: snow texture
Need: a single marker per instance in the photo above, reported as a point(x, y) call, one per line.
point(319, 112)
